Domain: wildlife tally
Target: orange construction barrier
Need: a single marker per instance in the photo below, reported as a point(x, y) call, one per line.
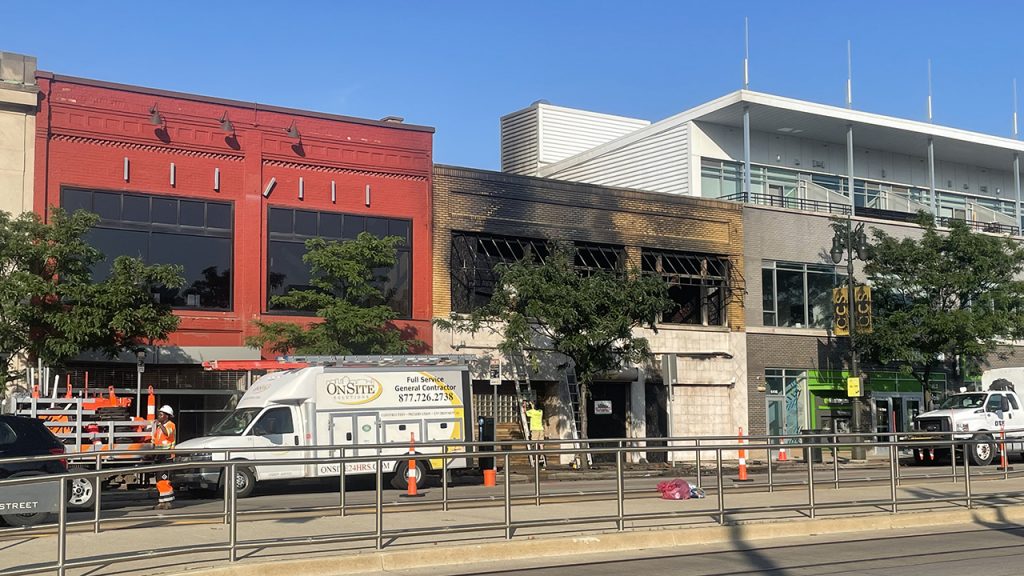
point(410, 473)
point(490, 477)
point(743, 460)
point(35, 390)
point(151, 406)
point(782, 454)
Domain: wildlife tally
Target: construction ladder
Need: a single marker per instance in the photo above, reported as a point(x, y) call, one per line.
point(524, 393)
point(572, 387)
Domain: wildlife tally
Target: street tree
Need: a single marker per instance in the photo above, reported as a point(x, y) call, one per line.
point(52, 309)
point(944, 298)
point(588, 317)
point(347, 295)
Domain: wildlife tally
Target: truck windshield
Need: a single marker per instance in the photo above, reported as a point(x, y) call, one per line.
point(235, 423)
point(964, 401)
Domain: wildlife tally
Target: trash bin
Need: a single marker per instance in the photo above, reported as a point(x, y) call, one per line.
point(485, 433)
point(814, 453)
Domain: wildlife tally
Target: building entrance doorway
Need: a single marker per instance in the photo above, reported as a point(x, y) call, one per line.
point(607, 410)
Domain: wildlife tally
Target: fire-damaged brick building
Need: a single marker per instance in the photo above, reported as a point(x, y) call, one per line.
point(483, 219)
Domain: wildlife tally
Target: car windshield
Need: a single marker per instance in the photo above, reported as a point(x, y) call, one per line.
point(964, 401)
point(235, 423)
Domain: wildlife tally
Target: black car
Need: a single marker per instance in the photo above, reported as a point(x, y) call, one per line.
point(23, 436)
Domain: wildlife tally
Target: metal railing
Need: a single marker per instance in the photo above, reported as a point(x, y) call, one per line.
point(805, 204)
point(696, 450)
point(993, 227)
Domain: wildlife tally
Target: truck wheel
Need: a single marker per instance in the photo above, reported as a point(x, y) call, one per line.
point(981, 454)
point(400, 480)
point(22, 520)
point(82, 492)
point(245, 482)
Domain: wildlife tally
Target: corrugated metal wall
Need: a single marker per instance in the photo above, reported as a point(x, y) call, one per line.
point(543, 134)
point(659, 162)
point(520, 144)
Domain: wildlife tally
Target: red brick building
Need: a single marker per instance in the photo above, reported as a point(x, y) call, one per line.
point(229, 190)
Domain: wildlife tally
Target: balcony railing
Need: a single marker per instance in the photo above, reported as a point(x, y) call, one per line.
point(805, 204)
point(993, 227)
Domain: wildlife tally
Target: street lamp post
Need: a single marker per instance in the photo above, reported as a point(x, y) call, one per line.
point(853, 242)
point(140, 367)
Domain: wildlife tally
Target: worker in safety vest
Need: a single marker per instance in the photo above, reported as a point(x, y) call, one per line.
point(165, 435)
point(536, 418)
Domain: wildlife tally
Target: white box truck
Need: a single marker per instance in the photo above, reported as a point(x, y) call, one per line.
point(344, 401)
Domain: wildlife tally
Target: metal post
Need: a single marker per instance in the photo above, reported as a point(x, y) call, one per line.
point(508, 497)
point(721, 486)
point(858, 452)
point(893, 475)
point(933, 202)
point(1016, 187)
point(619, 489)
point(379, 506)
point(341, 484)
point(227, 490)
point(835, 462)
point(232, 514)
point(771, 484)
point(697, 452)
point(444, 480)
point(810, 482)
point(536, 480)
point(967, 478)
point(952, 459)
point(746, 153)
point(62, 528)
point(97, 505)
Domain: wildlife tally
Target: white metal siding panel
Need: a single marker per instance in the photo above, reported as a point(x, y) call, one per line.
point(659, 163)
point(520, 142)
point(566, 132)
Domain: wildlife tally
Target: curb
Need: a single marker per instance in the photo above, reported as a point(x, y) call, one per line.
point(421, 557)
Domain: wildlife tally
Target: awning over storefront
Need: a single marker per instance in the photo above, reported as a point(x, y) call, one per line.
point(177, 355)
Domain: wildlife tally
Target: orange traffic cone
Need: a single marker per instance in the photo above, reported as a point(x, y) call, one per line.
point(743, 461)
point(782, 454)
point(151, 406)
point(411, 471)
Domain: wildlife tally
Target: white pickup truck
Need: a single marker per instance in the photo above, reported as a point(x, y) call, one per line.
point(975, 415)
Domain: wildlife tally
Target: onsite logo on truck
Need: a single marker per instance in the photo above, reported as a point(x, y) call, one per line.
point(345, 390)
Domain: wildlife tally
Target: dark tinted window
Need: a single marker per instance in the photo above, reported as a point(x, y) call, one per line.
point(275, 421)
point(287, 271)
point(73, 200)
point(135, 208)
point(108, 206)
point(161, 230)
point(7, 436)
point(192, 213)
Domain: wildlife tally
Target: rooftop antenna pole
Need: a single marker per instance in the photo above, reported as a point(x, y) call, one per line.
point(1016, 160)
point(746, 53)
point(746, 112)
point(849, 75)
point(932, 201)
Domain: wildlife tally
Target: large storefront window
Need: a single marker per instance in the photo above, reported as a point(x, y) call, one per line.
point(195, 234)
point(798, 295)
point(289, 229)
point(697, 286)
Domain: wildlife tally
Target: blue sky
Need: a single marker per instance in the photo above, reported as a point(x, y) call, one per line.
point(459, 65)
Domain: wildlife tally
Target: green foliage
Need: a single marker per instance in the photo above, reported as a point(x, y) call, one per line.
point(587, 317)
point(943, 296)
point(50, 308)
point(346, 295)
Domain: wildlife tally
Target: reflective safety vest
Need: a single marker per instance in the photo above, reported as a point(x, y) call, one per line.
point(164, 435)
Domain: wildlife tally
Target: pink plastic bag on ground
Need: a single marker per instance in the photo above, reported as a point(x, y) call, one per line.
point(677, 489)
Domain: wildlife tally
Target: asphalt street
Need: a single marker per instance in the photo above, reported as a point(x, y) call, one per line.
point(945, 551)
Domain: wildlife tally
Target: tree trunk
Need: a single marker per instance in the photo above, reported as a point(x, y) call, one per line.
point(584, 392)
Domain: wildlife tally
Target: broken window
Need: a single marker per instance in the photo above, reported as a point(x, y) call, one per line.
point(697, 286)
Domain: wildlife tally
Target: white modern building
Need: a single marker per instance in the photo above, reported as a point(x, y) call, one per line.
point(793, 164)
point(799, 154)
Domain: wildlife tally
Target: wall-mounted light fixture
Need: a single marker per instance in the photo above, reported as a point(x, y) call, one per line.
point(154, 116)
point(302, 188)
point(173, 174)
point(216, 179)
point(270, 187)
point(293, 132)
point(334, 192)
point(367, 194)
point(226, 126)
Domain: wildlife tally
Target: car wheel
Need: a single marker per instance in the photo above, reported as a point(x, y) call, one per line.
point(22, 520)
point(400, 480)
point(981, 454)
point(245, 482)
point(81, 491)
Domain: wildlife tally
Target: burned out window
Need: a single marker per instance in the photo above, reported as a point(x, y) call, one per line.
point(476, 260)
point(697, 286)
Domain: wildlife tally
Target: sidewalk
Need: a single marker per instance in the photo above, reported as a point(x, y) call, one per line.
point(476, 532)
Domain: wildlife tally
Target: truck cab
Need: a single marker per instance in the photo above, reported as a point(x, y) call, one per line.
point(979, 416)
